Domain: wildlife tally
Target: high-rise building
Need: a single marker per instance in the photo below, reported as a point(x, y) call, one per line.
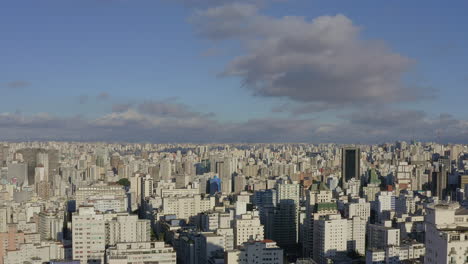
point(440, 181)
point(350, 164)
point(286, 216)
point(330, 235)
point(89, 236)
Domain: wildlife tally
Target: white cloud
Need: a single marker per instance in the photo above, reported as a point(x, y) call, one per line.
point(324, 60)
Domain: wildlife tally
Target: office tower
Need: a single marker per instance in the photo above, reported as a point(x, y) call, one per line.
point(89, 236)
point(248, 227)
point(266, 200)
point(140, 252)
point(446, 234)
point(350, 164)
point(439, 181)
point(259, 252)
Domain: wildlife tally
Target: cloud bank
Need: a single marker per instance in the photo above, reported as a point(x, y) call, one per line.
point(322, 61)
point(135, 125)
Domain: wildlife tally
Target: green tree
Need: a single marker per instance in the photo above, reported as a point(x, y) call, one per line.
point(124, 182)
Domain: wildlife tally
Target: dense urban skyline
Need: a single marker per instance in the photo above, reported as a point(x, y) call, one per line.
point(101, 203)
point(233, 71)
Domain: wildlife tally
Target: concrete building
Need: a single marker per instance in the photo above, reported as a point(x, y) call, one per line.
point(259, 252)
point(89, 236)
point(141, 252)
point(127, 228)
point(50, 225)
point(383, 235)
point(82, 194)
point(248, 227)
point(35, 253)
point(185, 207)
point(330, 234)
point(10, 240)
point(446, 234)
point(350, 164)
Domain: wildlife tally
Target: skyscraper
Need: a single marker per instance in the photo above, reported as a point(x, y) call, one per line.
point(350, 164)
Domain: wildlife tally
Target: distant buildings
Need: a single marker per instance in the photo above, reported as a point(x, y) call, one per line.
point(237, 203)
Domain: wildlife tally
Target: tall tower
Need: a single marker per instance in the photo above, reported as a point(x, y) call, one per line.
point(350, 164)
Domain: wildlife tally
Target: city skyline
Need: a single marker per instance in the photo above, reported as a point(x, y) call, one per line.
point(233, 71)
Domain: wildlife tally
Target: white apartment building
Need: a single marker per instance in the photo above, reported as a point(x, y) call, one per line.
point(258, 252)
point(395, 254)
point(35, 253)
point(209, 221)
point(446, 234)
point(358, 207)
point(89, 236)
point(356, 238)
point(228, 234)
point(330, 237)
point(140, 253)
point(248, 227)
point(82, 194)
point(186, 206)
point(128, 228)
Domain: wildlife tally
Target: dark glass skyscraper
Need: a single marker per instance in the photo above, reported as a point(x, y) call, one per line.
point(350, 164)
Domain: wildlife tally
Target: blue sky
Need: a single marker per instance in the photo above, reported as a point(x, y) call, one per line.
point(136, 51)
